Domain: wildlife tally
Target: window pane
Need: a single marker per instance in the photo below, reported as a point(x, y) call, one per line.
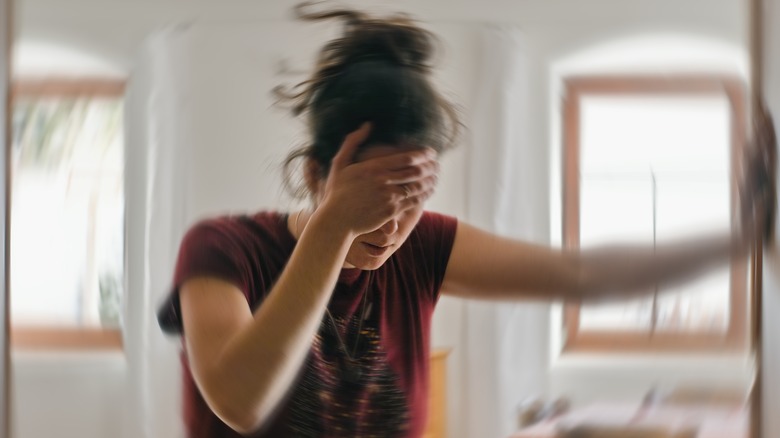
point(703, 306)
point(601, 221)
point(689, 204)
point(67, 222)
point(662, 159)
point(637, 133)
point(686, 205)
point(632, 316)
point(616, 208)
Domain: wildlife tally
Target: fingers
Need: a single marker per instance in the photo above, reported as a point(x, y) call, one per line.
point(410, 187)
point(349, 147)
point(760, 156)
point(408, 174)
point(757, 184)
point(404, 160)
point(403, 167)
point(764, 131)
point(415, 183)
point(412, 174)
point(420, 187)
point(385, 184)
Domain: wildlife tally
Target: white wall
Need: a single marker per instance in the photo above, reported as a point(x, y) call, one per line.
point(5, 374)
point(771, 330)
point(554, 29)
point(68, 395)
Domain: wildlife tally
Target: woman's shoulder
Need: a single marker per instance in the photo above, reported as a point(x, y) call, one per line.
point(239, 225)
point(247, 235)
point(432, 222)
point(434, 232)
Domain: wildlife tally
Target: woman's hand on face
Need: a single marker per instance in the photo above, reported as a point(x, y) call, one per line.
point(367, 194)
point(757, 188)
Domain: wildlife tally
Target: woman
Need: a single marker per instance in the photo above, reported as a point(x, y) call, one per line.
point(317, 323)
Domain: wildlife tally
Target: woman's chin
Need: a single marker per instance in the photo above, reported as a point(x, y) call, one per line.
point(368, 263)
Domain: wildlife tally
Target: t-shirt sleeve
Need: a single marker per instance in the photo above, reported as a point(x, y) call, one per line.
point(436, 232)
point(211, 248)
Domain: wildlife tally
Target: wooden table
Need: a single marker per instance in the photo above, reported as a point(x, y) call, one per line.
point(713, 421)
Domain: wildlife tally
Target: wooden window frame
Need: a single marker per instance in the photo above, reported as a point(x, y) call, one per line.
point(53, 338)
point(6, 38)
point(611, 341)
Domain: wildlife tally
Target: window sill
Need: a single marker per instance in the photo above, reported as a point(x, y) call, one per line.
point(617, 343)
point(650, 359)
point(34, 365)
point(587, 378)
point(44, 339)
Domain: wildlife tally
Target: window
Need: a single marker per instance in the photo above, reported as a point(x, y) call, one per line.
point(67, 214)
point(646, 160)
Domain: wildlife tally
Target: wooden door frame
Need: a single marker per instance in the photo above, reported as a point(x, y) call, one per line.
point(6, 21)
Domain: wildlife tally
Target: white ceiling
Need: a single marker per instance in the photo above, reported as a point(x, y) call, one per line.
point(519, 11)
point(113, 29)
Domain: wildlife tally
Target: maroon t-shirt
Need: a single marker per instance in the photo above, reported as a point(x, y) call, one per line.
point(388, 396)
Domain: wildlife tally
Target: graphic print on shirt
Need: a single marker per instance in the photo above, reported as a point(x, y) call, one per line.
point(326, 403)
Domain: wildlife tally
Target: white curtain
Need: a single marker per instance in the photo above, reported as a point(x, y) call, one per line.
point(201, 142)
point(155, 224)
point(505, 345)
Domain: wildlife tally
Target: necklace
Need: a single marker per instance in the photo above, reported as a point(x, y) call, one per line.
point(351, 366)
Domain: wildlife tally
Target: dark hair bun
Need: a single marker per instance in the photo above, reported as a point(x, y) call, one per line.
point(378, 70)
point(396, 39)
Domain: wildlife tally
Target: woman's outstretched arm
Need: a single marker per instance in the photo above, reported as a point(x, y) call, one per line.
point(483, 265)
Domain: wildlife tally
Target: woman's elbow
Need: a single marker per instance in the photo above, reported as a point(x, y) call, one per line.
point(243, 424)
point(234, 408)
point(239, 418)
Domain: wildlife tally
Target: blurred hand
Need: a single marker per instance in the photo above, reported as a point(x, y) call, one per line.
point(757, 186)
point(365, 195)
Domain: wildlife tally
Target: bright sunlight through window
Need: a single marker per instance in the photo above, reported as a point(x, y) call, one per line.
point(67, 222)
